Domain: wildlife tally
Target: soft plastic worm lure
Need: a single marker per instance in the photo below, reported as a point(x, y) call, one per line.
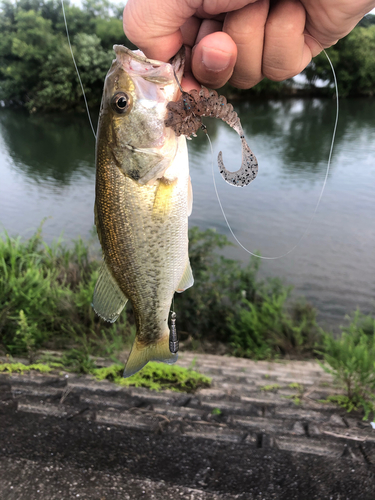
point(184, 117)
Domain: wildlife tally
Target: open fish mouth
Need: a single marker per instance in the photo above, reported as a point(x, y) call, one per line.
point(151, 70)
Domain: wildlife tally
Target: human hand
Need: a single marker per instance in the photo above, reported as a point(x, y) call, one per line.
point(240, 41)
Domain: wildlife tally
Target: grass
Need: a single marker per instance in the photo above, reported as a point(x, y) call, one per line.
point(270, 388)
point(45, 299)
point(229, 303)
point(295, 385)
point(45, 302)
point(350, 359)
point(349, 404)
point(154, 376)
point(46, 294)
point(296, 398)
point(21, 368)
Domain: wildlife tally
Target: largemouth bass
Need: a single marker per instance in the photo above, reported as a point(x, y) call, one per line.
point(143, 199)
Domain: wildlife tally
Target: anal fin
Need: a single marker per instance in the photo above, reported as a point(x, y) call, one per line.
point(108, 300)
point(140, 355)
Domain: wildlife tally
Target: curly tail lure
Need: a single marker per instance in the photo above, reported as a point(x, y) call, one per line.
point(184, 117)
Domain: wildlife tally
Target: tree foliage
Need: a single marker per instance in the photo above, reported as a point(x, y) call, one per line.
point(36, 68)
point(353, 58)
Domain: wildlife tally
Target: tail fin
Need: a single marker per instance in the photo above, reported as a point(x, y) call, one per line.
point(140, 355)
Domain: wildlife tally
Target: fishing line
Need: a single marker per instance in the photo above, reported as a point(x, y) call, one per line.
point(323, 186)
point(75, 65)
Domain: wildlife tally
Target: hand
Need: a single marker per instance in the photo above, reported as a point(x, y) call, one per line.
point(240, 41)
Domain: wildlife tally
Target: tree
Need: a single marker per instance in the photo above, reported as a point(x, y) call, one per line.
point(24, 47)
point(36, 68)
point(353, 58)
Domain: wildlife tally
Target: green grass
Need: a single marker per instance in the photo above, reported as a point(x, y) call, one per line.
point(46, 293)
point(295, 385)
point(229, 303)
point(156, 376)
point(296, 398)
point(45, 302)
point(350, 359)
point(270, 388)
point(45, 299)
point(21, 368)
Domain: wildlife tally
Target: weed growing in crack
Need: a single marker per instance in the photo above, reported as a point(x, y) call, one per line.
point(351, 361)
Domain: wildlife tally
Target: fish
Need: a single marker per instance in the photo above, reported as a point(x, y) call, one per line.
point(143, 197)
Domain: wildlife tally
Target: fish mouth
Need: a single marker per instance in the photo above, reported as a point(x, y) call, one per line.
point(135, 62)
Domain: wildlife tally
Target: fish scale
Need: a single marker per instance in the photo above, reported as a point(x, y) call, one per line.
point(142, 218)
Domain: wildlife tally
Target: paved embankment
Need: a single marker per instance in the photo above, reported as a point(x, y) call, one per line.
point(66, 436)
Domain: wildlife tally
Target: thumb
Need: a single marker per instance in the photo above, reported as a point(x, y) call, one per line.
point(213, 59)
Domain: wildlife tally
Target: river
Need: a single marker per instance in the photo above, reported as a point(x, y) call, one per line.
point(47, 170)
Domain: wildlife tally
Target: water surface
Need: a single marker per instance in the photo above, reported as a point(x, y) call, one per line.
point(47, 169)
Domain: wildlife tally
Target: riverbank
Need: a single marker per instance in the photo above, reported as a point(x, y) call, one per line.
point(46, 293)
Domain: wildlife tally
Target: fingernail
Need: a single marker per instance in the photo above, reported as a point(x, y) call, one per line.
point(214, 59)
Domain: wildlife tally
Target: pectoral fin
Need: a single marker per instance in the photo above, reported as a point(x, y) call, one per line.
point(108, 300)
point(187, 279)
point(140, 355)
point(163, 199)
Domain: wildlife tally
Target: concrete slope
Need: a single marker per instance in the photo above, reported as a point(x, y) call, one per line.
point(254, 435)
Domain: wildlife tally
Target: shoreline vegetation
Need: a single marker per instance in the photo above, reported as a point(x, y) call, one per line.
point(45, 303)
point(37, 73)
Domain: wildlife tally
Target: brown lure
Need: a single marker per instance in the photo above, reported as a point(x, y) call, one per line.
point(184, 117)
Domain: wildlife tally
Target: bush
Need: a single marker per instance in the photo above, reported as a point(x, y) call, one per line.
point(205, 310)
point(351, 360)
point(29, 301)
point(230, 304)
point(45, 296)
point(46, 293)
point(268, 329)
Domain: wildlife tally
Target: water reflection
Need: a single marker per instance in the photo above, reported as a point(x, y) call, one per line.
point(50, 146)
point(297, 131)
point(47, 169)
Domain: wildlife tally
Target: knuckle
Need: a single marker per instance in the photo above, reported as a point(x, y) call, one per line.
point(278, 75)
point(244, 82)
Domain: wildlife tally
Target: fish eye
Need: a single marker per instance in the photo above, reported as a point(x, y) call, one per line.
point(121, 102)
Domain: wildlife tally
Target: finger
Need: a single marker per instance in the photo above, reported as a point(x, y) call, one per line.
point(188, 81)
point(285, 52)
point(189, 31)
point(246, 28)
point(154, 26)
point(213, 59)
point(328, 22)
point(207, 27)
